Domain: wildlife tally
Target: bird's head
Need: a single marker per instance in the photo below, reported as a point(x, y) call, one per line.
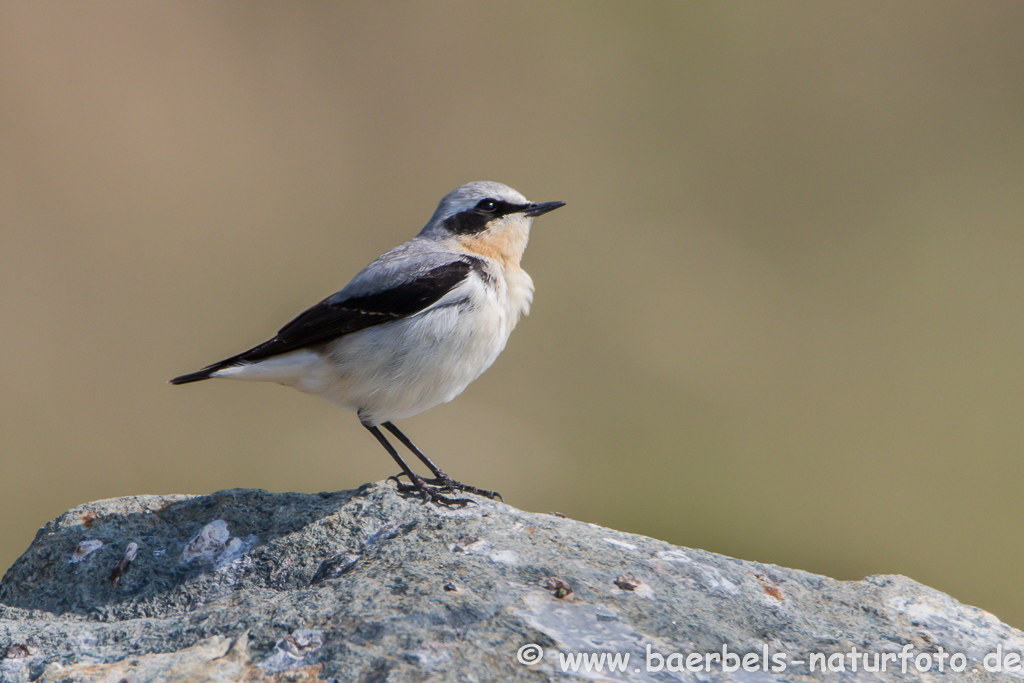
point(486, 219)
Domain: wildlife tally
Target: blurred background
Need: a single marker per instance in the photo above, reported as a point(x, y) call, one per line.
point(781, 317)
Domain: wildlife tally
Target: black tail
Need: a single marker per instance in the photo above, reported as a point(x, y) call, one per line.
point(207, 372)
point(194, 376)
point(254, 353)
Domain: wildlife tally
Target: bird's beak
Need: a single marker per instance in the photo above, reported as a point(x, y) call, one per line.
point(538, 209)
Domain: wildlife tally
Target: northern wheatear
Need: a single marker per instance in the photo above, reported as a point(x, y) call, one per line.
point(414, 327)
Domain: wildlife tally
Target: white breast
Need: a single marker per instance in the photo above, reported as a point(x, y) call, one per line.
point(519, 294)
point(399, 369)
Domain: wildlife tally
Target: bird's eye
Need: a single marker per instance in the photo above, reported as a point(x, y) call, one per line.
point(488, 205)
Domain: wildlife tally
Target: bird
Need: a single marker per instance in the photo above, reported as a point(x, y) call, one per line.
point(413, 328)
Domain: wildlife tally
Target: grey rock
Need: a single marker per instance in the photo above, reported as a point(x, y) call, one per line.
point(371, 585)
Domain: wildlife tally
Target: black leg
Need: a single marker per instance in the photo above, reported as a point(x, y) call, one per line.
point(440, 478)
point(407, 442)
point(417, 484)
point(392, 452)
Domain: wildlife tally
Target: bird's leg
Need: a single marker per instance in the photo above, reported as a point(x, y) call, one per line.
point(440, 479)
point(406, 471)
point(407, 442)
point(417, 484)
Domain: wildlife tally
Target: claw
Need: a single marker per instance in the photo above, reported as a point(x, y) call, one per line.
point(446, 483)
point(432, 494)
point(431, 489)
point(394, 478)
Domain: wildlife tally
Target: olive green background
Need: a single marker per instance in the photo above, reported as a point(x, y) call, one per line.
point(781, 316)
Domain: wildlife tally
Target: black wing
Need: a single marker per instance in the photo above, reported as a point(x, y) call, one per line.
point(332, 319)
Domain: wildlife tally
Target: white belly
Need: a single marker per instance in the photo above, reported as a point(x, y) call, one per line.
point(401, 368)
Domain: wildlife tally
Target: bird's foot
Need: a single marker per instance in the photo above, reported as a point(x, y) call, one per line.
point(446, 483)
point(430, 493)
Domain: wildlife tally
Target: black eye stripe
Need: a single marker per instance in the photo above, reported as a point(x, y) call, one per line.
point(498, 207)
point(476, 219)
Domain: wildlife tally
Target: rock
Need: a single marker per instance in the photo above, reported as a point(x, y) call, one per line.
point(371, 585)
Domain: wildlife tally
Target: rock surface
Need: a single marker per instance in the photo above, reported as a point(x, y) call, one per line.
point(370, 585)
